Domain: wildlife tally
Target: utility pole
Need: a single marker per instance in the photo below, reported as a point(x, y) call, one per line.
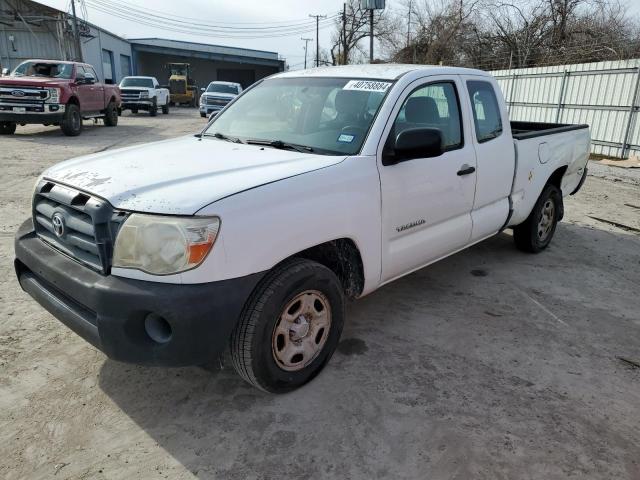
point(345, 50)
point(318, 17)
point(409, 24)
point(76, 31)
point(371, 36)
point(306, 41)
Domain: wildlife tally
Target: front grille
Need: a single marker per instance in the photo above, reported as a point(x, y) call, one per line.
point(221, 101)
point(80, 225)
point(178, 86)
point(131, 94)
point(8, 92)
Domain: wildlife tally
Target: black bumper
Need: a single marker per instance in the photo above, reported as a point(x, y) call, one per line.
point(109, 312)
point(136, 106)
point(31, 117)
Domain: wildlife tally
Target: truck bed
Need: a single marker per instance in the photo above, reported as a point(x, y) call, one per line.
point(524, 130)
point(542, 149)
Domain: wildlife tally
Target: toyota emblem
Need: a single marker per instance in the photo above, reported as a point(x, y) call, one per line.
point(17, 93)
point(58, 224)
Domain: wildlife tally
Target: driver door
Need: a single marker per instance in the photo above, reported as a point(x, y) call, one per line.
point(427, 202)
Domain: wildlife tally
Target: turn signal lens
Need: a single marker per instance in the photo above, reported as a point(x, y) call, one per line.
point(164, 245)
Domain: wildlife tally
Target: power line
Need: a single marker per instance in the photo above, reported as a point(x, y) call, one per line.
point(119, 8)
point(182, 27)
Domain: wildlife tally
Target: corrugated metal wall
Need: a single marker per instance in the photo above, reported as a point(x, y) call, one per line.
point(603, 95)
point(30, 30)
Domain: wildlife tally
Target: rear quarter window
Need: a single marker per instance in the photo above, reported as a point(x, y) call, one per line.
point(486, 111)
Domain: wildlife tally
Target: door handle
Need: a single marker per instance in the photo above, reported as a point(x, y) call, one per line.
point(466, 170)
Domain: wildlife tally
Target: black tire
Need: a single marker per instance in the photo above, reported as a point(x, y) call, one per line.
point(71, 124)
point(203, 115)
point(7, 128)
point(134, 110)
point(165, 109)
point(153, 109)
point(254, 339)
point(111, 115)
point(536, 232)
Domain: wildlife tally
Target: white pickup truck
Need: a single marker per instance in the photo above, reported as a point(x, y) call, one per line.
point(310, 188)
point(144, 93)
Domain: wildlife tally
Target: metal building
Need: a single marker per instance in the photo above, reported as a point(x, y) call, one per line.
point(208, 62)
point(31, 30)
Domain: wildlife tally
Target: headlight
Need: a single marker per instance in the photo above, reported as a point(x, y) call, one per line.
point(202, 99)
point(144, 94)
point(54, 95)
point(164, 245)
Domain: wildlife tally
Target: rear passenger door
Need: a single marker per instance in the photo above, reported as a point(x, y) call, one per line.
point(427, 202)
point(492, 141)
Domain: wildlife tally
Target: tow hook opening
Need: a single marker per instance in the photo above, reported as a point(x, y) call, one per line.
point(157, 328)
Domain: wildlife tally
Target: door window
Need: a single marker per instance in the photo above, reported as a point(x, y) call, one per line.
point(486, 113)
point(432, 106)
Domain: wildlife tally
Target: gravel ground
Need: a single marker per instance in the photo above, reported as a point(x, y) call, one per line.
point(491, 364)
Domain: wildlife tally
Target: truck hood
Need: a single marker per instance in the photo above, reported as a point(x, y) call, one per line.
point(180, 176)
point(32, 81)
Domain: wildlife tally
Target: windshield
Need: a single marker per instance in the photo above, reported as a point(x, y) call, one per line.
point(136, 82)
point(44, 69)
point(324, 115)
point(222, 88)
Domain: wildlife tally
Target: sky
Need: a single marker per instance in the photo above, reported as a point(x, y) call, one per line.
point(239, 12)
point(225, 11)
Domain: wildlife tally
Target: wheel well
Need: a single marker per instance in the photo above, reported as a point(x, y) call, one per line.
point(556, 177)
point(556, 180)
point(343, 258)
point(74, 101)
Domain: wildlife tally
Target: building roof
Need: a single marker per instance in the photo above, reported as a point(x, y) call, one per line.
point(203, 48)
point(381, 71)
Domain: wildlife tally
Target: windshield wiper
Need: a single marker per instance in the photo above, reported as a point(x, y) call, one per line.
point(281, 145)
point(221, 136)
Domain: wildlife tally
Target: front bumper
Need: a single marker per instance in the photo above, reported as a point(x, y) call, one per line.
point(47, 113)
point(139, 104)
point(208, 109)
point(109, 312)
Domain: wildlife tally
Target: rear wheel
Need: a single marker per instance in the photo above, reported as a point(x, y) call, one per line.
point(111, 115)
point(536, 232)
point(7, 128)
point(71, 124)
point(290, 326)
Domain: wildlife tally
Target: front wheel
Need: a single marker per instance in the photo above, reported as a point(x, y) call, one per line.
point(165, 109)
point(536, 232)
point(71, 124)
point(290, 326)
point(7, 128)
point(153, 109)
point(111, 115)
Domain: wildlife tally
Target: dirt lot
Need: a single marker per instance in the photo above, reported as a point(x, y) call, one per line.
point(492, 364)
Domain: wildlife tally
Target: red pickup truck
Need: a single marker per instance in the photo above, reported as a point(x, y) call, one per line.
point(53, 92)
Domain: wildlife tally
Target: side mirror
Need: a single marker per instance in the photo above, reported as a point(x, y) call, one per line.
point(202, 89)
point(5, 72)
point(415, 143)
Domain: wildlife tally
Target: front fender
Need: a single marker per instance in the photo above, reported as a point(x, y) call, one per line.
point(265, 225)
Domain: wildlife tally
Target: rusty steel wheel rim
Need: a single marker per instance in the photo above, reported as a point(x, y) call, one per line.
point(301, 331)
point(546, 219)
